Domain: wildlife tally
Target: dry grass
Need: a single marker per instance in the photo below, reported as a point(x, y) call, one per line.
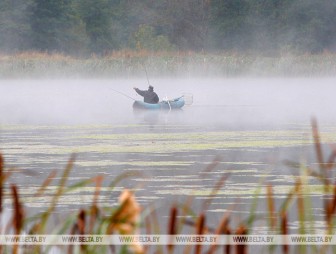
point(130, 63)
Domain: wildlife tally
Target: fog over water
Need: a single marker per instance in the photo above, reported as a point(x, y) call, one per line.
point(230, 102)
point(253, 125)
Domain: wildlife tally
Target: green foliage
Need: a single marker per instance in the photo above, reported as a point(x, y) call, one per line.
point(96, 16)
point(56, 26)
point(82, 27)
point(14, 25)
point(145, 38)
point(229, 24)
point(310, 25)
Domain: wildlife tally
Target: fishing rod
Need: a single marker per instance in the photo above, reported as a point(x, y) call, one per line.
point(123, 94)
point(147, 75)
point(128, 95)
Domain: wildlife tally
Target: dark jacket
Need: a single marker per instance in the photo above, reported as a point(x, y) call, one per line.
point(149, 96)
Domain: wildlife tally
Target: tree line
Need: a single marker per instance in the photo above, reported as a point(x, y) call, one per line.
point(82, 27)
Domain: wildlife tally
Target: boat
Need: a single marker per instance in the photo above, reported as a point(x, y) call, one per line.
point(176, 103)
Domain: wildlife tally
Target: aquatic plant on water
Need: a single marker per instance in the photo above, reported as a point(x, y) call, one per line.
point(128, 217)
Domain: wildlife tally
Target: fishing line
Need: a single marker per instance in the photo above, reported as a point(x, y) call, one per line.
point(123, 94)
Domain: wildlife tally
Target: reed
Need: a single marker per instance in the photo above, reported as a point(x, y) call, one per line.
point(214, 191)
point(130, 63)
point(242, 248)
point(46, 183)
point(271, 207)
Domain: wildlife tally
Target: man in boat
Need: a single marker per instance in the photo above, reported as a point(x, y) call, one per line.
point(149, 95)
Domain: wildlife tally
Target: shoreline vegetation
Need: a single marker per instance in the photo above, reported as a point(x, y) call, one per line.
point(126, 64)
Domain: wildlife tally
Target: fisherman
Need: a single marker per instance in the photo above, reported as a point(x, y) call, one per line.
point(149, 95)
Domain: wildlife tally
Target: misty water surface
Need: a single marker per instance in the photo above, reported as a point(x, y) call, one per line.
point(224, 101)
point(251, 126)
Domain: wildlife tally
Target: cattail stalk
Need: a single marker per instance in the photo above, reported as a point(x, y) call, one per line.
point(46, 183)
point(212, 165)
point(94, 212)
point(17, 216)
point(223, 228)
point(81, 225)
point(284, 231)
point(271, 209)
point(172, 227)
point(242, 248)
point(94, 208)
point(18, 211)
point(214, 191)
point(199, 231)
point(317, 142)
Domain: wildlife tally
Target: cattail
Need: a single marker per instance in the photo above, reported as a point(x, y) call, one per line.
point(172, 221)
point(172, 226)
point(223, 228)
point(94, 209)
point(241, 249)
point(18, 211)
point(199, 231)
point(81, 222)
point(227, 248)
point(284, 231)
point(81, 225)
point(72, 232)
point(327, 211)
point(330, 207)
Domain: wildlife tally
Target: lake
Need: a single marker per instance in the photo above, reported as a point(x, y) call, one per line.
point(248, 129)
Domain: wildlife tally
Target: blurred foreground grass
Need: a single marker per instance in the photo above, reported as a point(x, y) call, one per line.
point(132, 64)
point(128, 217)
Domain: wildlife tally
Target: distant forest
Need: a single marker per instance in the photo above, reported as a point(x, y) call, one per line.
point(84, 27)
